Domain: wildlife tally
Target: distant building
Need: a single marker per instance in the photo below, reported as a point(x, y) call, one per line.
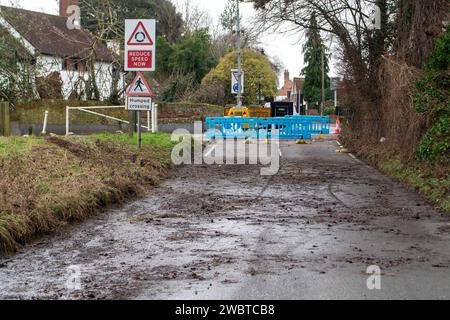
point(62, 52)
point(292, 90)
point(286, 90)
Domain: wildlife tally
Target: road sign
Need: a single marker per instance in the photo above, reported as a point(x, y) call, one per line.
point(235, 81)
point(334, 83)
point(139, 103)
point(140, 37)
point(139, 87)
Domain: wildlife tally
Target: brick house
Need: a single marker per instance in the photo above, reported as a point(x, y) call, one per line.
point(291, 91)
point(286, 90)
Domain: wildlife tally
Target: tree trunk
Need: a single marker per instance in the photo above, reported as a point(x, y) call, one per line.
point(5, 125)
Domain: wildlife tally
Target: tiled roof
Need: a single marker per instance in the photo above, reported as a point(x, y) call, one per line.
point(286, 87)
point(50, 35)
point(298, 84)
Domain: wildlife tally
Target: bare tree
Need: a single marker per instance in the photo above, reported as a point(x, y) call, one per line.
point(194, 17)
point(109, 29)
point(361, 46)
point(379, 62)
point(348, 20)
point(250, 33)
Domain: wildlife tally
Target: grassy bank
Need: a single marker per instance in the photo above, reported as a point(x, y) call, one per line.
point(423, 179)
point(432, 181)
point(48, 183)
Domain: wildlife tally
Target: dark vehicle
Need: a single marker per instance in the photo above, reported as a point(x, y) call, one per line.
point(282, 109)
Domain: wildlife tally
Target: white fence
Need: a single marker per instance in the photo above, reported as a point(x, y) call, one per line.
point(152, 116)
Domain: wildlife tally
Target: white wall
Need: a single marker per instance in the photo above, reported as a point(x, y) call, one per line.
point(73, 79)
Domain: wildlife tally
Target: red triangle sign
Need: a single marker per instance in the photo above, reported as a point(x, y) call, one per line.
point(140, 36)
point(139, 87)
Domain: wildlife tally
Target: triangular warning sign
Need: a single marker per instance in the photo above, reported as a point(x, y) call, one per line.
point(139, 87)
point(140, 36)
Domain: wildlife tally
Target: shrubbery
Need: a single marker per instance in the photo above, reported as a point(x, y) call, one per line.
point(260, 77)
point(433, 100)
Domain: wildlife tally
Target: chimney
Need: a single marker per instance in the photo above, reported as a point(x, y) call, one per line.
point(64, 4)
point(286, 76)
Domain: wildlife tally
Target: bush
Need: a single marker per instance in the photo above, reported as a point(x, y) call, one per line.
point(436, 142)
point(213, 93)
point(177, 87)
point(50, 87)
point(433, 100)
point(259, 74)
point(330, 111)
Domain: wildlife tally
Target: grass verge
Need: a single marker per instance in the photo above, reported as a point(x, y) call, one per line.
point(47, 183)
point(421, 178)
point(432, 181)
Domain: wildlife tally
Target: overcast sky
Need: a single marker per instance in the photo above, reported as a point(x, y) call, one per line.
point(286, 48)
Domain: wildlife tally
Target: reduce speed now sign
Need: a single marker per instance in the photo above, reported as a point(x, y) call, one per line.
point(140, 38)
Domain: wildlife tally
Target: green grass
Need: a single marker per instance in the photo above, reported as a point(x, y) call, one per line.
point(15, 146)
point(157, 140)
point(422, 179)
point(158, 145)
point(47, 183)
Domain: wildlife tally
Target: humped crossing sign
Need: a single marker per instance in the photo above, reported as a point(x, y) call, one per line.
point(139, 94)
point(139, 87)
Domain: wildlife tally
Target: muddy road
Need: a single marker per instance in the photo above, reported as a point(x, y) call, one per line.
point(226, 232)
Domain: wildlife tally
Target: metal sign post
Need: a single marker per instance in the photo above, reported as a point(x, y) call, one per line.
point(334, 87)
point(139, 115)
point(239, 62)
point(139, 98)
point(140, 47)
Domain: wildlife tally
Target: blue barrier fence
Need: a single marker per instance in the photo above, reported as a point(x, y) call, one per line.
point(287, 128)
point(319, 124)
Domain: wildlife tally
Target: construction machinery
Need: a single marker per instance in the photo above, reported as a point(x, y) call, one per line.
point(248, 112)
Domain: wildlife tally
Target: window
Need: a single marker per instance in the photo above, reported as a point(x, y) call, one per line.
point(75, 65)
point(116, 70)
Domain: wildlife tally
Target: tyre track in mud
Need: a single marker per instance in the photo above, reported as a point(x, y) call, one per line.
point(226, 232)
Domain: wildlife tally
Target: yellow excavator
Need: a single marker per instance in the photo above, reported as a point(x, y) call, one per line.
point(248, 112)
point(243, 112)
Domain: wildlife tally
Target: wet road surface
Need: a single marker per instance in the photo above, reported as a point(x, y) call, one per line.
point(226, 232)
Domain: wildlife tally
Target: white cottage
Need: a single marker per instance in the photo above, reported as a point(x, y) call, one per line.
point(62, 51)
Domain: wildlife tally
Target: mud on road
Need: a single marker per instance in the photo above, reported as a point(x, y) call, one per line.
point(226, 232)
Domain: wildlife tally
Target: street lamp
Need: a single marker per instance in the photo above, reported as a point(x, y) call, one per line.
point(323, 80)
point(238, 49)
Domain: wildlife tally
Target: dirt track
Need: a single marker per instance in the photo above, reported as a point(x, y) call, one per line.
point(226, 232)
